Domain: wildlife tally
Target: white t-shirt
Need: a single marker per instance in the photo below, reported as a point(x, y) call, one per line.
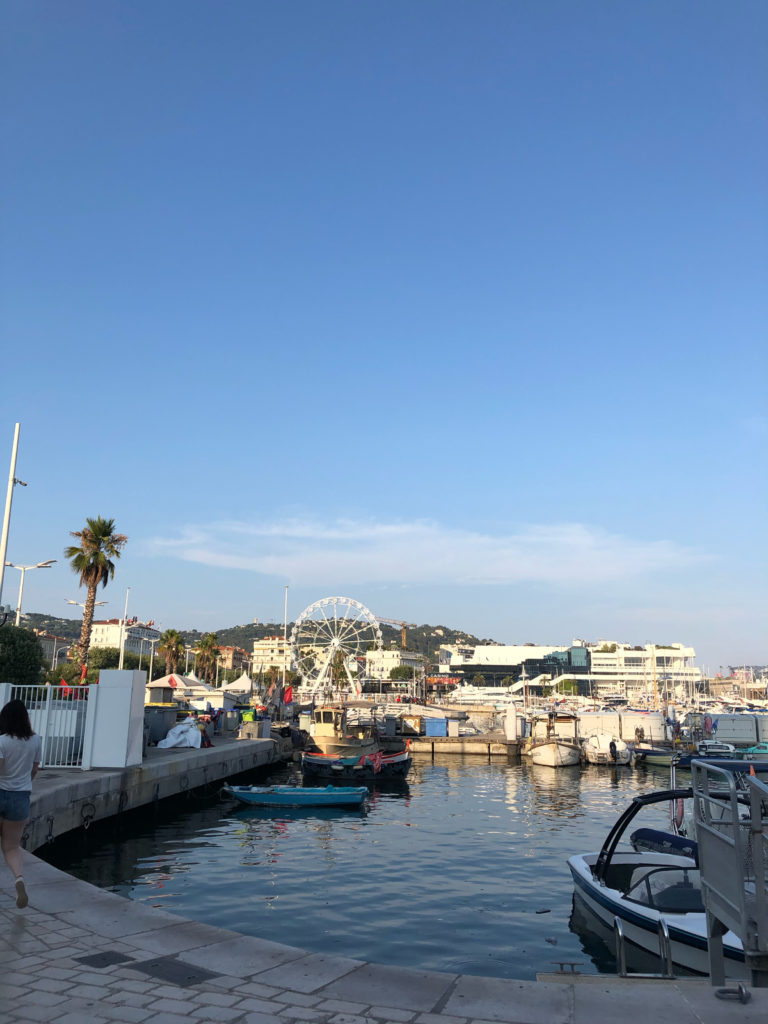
point(18, 758)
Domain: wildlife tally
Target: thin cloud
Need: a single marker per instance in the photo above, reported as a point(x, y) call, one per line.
point(423, 552)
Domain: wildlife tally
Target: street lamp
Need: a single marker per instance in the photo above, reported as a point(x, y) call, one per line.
point(151, 654)
point(12, 481)
point(187, 651)
point(122, 629)
point(23, 570)
point(81, 605)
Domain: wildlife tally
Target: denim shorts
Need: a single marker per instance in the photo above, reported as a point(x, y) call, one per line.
point(14, 804)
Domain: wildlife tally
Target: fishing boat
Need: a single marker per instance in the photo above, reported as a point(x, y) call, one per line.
point(602, 748)
point(298, 796)
point(657, 879)
point(377, 765)
point(554, 739)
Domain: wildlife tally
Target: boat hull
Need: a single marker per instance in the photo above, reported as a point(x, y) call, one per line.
point(555, 754)
point(295, 796)
point(368, 768)
point(687, 932)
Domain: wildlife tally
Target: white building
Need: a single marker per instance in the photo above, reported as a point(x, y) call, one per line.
point(651, 669)
point(271, 651)
point(108, 633)
point(378, 664)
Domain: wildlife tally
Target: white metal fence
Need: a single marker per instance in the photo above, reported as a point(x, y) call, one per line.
point(60, 715)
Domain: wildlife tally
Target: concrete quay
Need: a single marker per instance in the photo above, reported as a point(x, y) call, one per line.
point(81, 955)
point(68, 798)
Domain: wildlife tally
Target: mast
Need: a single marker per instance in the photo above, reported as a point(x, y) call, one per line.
point(655, 688)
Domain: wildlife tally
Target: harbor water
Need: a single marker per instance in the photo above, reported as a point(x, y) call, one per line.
point(463, 869)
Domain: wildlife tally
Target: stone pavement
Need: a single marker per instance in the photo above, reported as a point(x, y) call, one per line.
point(80, 955)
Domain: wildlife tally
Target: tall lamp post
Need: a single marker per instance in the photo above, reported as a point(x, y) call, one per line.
point(23, 569)
point(122, 629)
point(12, 481)
point(152, 654)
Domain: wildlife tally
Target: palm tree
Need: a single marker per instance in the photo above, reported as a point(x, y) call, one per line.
point(92, 561)
point(171, 647)
point(206, 655)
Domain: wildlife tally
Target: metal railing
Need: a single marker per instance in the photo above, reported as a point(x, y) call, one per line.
point(731, 820)
point(665, 952)
point(60, 715)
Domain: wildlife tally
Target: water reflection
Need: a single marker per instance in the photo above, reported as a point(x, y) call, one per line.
point(462, 859)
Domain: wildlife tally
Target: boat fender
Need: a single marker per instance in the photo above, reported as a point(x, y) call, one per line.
point(676, 812)
point(612, 748)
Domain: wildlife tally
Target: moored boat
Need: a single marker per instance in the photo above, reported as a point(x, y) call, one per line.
point(298, 796)
point(603, 748)
point(656, 881)
point(377, 765)
point(554, 740)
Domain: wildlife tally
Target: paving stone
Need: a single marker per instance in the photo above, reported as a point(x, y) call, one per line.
point(347, 1018)
point(262, 1018)
point(169, 1018)
point(311, 972)
point(55, 984)
point(392, 1014)
point(37, 998)
point(340, 1006)
point(81, 1018)
point(503, 999)
point(136, 999)
point(400, 987)
point(253, 1005)
point(439, 1018)
point(132, 1014)
point(303, 1013)
point(296, 999)
point(256, 989)
point(173, 1005)
point(216, 1013)
point(215, 998)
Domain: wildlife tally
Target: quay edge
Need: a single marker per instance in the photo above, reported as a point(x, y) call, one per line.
point(64, 799)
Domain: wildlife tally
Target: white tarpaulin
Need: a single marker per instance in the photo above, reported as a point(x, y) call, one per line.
point(185, 734)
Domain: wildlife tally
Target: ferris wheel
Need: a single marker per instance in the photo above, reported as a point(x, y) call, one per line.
point(327, 638)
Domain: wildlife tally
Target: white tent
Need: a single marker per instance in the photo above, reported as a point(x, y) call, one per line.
point(243, 684)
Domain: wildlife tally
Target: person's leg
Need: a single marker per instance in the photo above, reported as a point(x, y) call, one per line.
point(10, 841)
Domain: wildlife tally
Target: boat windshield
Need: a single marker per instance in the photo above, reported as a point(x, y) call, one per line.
point(671, 889)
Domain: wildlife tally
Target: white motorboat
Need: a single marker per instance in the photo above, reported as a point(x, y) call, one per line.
point(657, 880)
point(602, 748)
point(554, 740)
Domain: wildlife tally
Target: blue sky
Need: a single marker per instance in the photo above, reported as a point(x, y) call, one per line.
point(456, 308)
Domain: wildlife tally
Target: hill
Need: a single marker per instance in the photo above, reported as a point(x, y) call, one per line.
point(425, 639)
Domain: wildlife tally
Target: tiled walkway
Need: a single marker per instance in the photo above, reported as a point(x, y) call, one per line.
point(79, 955)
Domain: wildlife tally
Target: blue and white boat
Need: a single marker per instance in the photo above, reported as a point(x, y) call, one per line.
point(656, 880)
point(298, 796)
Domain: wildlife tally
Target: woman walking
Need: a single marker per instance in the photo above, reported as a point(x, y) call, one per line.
point(20, 754)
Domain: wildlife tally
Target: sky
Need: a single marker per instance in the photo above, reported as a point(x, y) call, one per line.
point(456, 308)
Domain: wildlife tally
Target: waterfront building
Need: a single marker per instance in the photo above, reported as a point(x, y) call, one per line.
point(502, 663)
point(379, 664)
point(108, 633)
point(663, 669)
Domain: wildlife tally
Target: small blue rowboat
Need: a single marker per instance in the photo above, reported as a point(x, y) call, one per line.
point(298, 796)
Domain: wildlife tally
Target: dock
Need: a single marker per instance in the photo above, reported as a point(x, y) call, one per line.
point(491, 744)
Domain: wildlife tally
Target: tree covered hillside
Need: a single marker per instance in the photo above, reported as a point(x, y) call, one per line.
point(425, 639)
